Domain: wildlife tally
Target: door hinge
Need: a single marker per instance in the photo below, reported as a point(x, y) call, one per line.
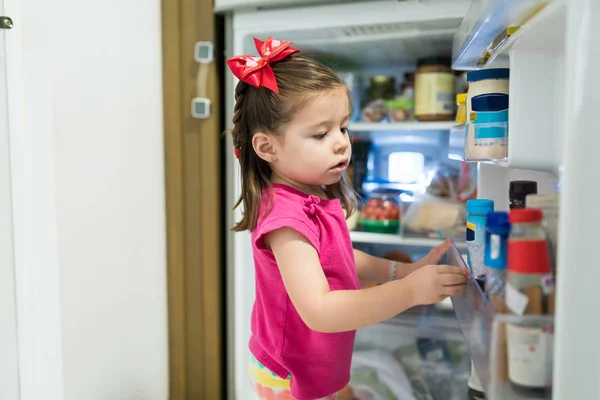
point(6, 23)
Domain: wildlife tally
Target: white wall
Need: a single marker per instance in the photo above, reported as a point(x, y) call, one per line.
point(90, 224)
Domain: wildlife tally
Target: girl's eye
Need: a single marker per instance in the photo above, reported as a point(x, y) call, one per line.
point(320, 136)
point(345, 130)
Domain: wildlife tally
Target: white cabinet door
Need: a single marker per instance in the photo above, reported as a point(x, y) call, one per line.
point(9, 365)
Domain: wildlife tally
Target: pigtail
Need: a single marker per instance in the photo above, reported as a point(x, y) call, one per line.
point(255, 172)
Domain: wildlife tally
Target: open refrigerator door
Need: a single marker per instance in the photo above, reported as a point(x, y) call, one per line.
point(529, 348)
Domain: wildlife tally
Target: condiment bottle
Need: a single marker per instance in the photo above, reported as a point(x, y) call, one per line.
point(477, 211)
point(461, 108)
point(548, 203)
point(518, 191)
point(529, 284)
point(496, 239)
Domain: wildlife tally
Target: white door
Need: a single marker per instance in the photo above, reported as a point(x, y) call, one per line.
point(9, 371)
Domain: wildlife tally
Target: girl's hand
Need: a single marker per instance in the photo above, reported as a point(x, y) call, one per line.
point(433, 283)
point(433, 257)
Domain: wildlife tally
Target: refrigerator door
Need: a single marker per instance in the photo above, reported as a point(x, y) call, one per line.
point(9, 363)
point(576, 342)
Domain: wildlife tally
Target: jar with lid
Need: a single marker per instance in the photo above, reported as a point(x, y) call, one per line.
point(434, 89)
point(518, 191)
point(381, 213)
point(529, 286)
point(382, 87)
point(487, 116)
point(548, 203)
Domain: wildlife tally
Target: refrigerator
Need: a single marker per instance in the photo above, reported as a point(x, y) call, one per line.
point(553, 99)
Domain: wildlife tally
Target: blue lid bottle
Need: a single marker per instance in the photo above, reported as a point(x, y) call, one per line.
point(477, 211)
point(496, 238)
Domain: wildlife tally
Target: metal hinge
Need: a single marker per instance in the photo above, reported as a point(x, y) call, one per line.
point(6, 23)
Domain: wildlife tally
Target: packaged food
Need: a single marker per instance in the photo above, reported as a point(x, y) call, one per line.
point(431, 216)
point(444, 182)
point(487, 115)
point(381, 213)
point(467, 182)
point(375, 111)
point(434, 89)
point(400, 109)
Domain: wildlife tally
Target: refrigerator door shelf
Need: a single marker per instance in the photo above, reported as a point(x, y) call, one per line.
point(484, 21)
point(535, 54)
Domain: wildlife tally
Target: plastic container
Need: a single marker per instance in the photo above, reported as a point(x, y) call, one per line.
point(434, 89)
point(518, 192)
point(487, 115)
point(477, 211)
point(496, 240)
point(381, 213)
point(548, 203)
point(529, 290)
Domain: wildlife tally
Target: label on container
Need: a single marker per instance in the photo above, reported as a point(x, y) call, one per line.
point(434, 93)
point(515, 300)
point(476, 230)
point(471, 228)
point(529, 356)
point(495, 241)
point(548, 284)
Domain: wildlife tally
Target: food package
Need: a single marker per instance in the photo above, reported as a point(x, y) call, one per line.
point(431, 216)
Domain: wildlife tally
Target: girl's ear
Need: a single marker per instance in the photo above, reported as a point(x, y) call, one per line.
point(264, 146)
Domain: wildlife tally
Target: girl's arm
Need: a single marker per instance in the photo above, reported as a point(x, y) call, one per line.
point(324, 310)
point(375, 269)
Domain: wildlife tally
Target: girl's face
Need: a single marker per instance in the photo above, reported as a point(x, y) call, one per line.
point(314, 149)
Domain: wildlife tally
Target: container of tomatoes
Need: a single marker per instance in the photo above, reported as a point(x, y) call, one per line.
point(381, 213)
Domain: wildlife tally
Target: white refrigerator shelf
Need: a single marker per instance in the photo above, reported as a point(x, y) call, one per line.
point(392, 239)
point(401, 126)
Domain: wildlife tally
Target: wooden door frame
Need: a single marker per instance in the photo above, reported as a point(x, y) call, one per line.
point(193, 206)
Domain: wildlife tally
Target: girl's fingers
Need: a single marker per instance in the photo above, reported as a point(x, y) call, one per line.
point(454, 279)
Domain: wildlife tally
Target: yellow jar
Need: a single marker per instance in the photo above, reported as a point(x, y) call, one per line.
point(434, 90)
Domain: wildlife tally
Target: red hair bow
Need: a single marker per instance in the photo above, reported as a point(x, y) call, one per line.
point(256, 71)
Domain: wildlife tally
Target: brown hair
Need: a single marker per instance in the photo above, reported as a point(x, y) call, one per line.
point(262, 110)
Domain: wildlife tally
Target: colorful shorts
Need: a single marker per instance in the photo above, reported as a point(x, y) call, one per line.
point(269, 386)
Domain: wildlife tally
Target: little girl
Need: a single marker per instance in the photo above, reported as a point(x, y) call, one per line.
point(290, 135)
